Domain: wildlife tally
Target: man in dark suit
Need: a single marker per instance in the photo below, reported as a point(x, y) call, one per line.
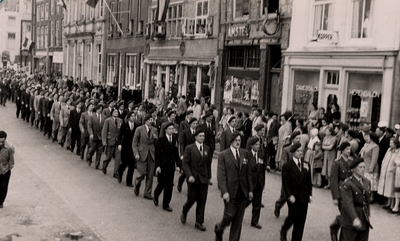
point(186, 138)
point(271, 134)
point(73, 125)
point(83, 126)
point(95, 128)
point(245, 130)
point(143, 146)
point(258, 167)
point(227, 133)
point(296, 183)
point(209, 126)
point(110, 140)
point(125, 138)
point(138, 116)
point(235, 182)
point(184, 125)
point(26, 100)
point(45, 113)
point(121, 112)
point(383, 147)
point(167, 155)
point(197, 167)
point(355, 211)
point(49, 122)
point(171, 118)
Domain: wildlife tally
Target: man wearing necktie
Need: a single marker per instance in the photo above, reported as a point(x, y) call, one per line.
point(210, 132)
point(95, 129)
point(83, 126)
point(227, 133)
point(167, 158)
point(125, 138)
point(235, 181)
point(197, 166)
point(186, 138)
point(110, 137)
point(297, 187)
point(73, 125)
point(355, 200)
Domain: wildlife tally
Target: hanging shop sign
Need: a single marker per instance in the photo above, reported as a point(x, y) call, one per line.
point(239, 30)
point(365, 93)
point(326, 36)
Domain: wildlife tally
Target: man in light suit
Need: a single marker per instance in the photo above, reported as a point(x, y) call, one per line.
point(184, 125)
point(109, 137)
point(235, 181)
point(167, 158)
point(55, 116)
point(197, 167)
point(296, 184)
point(181, 109)
point(107, 111)
point(95, 128)
point(144, 150)
point(64, 118)
point(227, 134)
point(83, 126)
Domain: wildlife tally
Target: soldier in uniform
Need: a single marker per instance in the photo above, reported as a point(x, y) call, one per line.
point(340, 172)
point(354, 213)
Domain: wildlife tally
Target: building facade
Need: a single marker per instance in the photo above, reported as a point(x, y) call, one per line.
point(253, 34)
point(47, 18)
point(125, 43)
point(181, 54)
point(84, 41)
point(340, 53)
point(15, 25)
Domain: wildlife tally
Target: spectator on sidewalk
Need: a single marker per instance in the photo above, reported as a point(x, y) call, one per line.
point(6, 164)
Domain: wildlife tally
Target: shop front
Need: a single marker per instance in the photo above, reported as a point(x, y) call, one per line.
point(360, 85)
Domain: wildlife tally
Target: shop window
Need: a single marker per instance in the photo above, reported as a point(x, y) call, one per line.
point(153, 81)
point(269, 6)
point(306, 83)
point(191, 82)
point(241, 8)
point(236, 57)
point(322, 16)
point(332, 78)
point(205, 82)
point(253, 57)
point(361, 22)
point(111, 62)
point(241, 90)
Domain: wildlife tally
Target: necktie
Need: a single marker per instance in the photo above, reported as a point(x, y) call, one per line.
point(255, 157)
point(299, 164)
point(209, 126)
point(116, 123)
point(169, 139)
point(201, 150)
point(237, 156)
point(130, 125)
point(148, 132)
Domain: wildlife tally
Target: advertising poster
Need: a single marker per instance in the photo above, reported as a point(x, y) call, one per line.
point(254, 91)
point(228, 90)
point(364, 109)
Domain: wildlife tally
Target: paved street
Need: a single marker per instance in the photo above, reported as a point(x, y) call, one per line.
point(53, 193)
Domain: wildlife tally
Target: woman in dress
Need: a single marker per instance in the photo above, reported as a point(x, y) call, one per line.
point(396, 208)
point(370, 153)
point(387, 176)
point(310, 153)
point(299, 125)
point(323, 127)
point(283, 136)
point(313, 117)
point(329, 147)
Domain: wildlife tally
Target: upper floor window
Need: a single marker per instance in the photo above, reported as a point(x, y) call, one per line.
point(322, 16)
point(38, 13)
point(269, 6)
point(52, 6)
point(42, 12)
point(241, 8)
point(361, 22)
point(201, 17)
point(11, 35)
point(47, 11)
point(174, 20)
point(11, 20)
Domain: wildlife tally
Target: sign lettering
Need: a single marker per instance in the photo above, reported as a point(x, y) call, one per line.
point(307, 88)
point(365, 93)
point(238, 31)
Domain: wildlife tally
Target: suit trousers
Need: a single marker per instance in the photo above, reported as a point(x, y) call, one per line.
point(149, 177)
point(350, 234)
point(335, 226)
point(233, 215)
point(257, 197)
point(112, 151)
point(181, 179)
point(84, 142)
point(18, 110)
point(61, 136)
point(127, 160)
point(281, 201)
point(95, 146)
point(271, 155)
point(197, 193)
point(297, 217)
point(76, 140)
point(55, 127)
point(165, 183)
point(4, 180)
point(32, 117)
point(27, 114)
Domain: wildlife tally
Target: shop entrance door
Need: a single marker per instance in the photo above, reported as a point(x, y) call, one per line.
point(331, 96)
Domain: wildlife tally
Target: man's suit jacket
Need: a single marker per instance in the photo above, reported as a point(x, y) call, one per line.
point(209, 135)
point(110, 131)
point(64, 115)
point(258, 168)
point(296, 182)
point(184, 125)
point(138, 119)
point(225, 139)
point(55, 111)
point(231, 174)
point(125, 136)
point(107, 112)
point(45, 107)
point(49, 106)
point(355, 200)
point(197, 165)
point(185, 138)
point(95, 126)
point(143, 144)
point(73, 122)
point(157, 124)
point(83, 124)
point(340, 172)
point(36, 101)
point(164, 119)
point(167, 156)
point(273, 130)
point(31, 102)
point(246, 128)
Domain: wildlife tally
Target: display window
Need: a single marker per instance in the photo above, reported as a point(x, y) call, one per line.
point(364, 99)
point(306, 84)
point(241, 90)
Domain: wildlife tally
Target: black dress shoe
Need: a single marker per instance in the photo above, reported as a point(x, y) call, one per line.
point(200, 227)
point(262, 205)
point(104, 171)
point(89, 163)
point(210, 183)
point(179, 188)
point(183, 217)
point(148, 197)
point(283, 235)
point(169, 209)
point(1, 206)
point(155, 200)
point(218, 233)
point(257, 226)
point(277, 213)
point(129, 185)
point(119, 179)
point(136, 191)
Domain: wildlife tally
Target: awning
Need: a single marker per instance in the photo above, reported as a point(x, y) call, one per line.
point(195, 63)
point(39, 56)
point(160, 62)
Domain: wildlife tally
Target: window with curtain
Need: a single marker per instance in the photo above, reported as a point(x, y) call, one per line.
point(322, 16)
point(361, 21)
point(52, 33)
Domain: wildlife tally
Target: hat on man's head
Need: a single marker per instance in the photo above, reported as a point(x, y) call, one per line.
point(168, 124)
point(258, 127)
point(170, 113)
point(344, 145)
point(390, 131)
point(295, 147)
point(208, 113)
point(131, 101)
point(231, 119)
point(192, 120)
point(234, 135)
point(198, 131)
point(151, 111)
point(354, 163)
point(294, 134)
point(121, 102)
point(253, 140)
point(147, 117)
point(109, 101)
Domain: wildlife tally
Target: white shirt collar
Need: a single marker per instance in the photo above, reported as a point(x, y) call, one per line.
point(254, 153)
point(234, 151)
point(198, 145)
